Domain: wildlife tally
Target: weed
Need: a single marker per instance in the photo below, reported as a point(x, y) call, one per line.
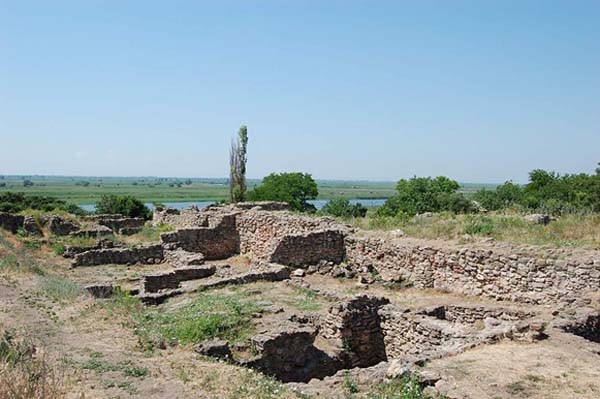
point(26, 374)
point(59, 289)
point(306, 300)
point(130, 370)
point(515, 387)
point(58, 248)
point(98, 365)
point(152, 233)
point(31, 244)
point(399, 388)
point(349, 385)
point(128, 387)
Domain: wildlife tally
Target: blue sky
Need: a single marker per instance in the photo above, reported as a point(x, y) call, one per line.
point(480, 91)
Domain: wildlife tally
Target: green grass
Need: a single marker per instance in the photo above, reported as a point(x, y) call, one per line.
point(151, 233)
point(209, 315)
point(59, 289)
point(304, 299)
point(17, 260)
point(399, 388)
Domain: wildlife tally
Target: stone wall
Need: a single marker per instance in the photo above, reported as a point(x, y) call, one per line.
point(61, 227)
point(474, 313)
point(186, 218)
point(429, 335)
point(11, 222)
point(290, 239)
point(148, 254)
point(119, 223)
point(218, 241)
point(355, 327)
point(173, 279)
point(309, 248)
point(502, 272)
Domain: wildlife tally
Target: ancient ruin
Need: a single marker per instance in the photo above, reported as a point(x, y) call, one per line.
point(461, 296)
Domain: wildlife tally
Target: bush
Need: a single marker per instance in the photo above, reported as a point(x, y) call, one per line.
point(343, 208)
point(294, 188)
point(18, 202)
point(480, 226)
point(547, 192)
point(426, 194)
point(125, 205)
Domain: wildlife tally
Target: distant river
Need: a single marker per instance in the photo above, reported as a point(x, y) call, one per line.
point(203, 204)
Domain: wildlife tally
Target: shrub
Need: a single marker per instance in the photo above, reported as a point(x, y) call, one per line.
point(294, 188)
point(480, 226)
point(548, 192)
point(125, 205)
point(343, 208)
point(426, 194)
point(18, 202)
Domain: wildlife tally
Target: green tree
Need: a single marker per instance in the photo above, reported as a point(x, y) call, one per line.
point(425, 194)
point(343, 208)
point(237, 166)
point(503, 196)
point(17, 202)
point(125, 205)
point(294, 188)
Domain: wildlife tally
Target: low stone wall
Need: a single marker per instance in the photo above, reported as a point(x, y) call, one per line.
point(173, 279)
point(355, 327)
point(501, 273)
point(61, 227)
point(11, 222)
point(31, 226)
point(430, 335)
point(119, 223)
point(218, 241)
point(310, 248)
point(120, 256)
point(264, 206)
point(290, 239)
point(473, 314)
point(186, 218)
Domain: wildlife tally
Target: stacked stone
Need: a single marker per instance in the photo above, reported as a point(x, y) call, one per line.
point(218, 241)
point(290, 239)
point(119, 223)
point(11, 222)
point(173, 279)
point(189, 217)
point(61, 227)
point(355, 327)
point(148, 254)
point(498, 272)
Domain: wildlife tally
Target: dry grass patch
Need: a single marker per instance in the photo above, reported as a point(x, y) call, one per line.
point(567, 230)
point(25, 372)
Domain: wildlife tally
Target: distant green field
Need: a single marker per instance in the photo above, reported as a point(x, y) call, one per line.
point(88, 190)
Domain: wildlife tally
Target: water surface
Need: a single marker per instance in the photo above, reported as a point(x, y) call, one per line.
point(203, 204)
